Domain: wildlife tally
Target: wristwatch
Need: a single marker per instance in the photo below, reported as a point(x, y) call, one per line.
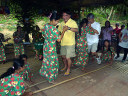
point(69, 28)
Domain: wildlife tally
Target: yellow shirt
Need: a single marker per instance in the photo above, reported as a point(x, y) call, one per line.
point(69, 36)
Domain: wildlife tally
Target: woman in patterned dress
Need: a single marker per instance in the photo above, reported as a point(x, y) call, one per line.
point(2, 52)
point(18, 42)
point(11, 83)
point(107, 53)
point(50, 63)
point(27, 71)
point(81, 44)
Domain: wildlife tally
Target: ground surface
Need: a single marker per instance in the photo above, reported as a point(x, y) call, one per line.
point(108, 81)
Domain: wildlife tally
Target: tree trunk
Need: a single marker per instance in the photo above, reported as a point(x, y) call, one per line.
point(110, 13)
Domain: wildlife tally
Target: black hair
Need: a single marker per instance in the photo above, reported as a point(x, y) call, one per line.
point(108, 22)
point(67, 11)
point(109, 49)
point(54, 16)
point(16, 65)
point(117, 24)
point(18, 27)
point(82, 23)
point(23, 56)
point(90, 15)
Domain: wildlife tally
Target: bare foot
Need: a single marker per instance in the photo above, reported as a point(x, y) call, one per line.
point(83, 69)
point(52, 82)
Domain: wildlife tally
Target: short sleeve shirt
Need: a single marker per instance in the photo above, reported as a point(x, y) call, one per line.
point(124, 38)
point(69, 36)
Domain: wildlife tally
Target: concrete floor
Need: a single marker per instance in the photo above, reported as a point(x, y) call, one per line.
point(110, 81)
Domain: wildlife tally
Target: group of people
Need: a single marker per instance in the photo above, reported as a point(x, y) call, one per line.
point(80, 48)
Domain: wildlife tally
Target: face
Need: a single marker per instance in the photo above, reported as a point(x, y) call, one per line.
point(107, 24)
point(90, 20)
point(24, 59)
point(84, 25)
point(117, 25)
point(21, 69)
point(106, 43)
point(55, 22)
point(19, 29)
point(66, 17)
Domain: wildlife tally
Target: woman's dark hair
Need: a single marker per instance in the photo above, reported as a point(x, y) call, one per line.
point(82, 23)
point(54, 16)
point(106, 23)
point(23, 56)
point(109, 49)
point(16, 65)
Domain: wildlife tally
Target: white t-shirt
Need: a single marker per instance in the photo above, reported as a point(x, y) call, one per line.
point(91, 39)
point(124, 38)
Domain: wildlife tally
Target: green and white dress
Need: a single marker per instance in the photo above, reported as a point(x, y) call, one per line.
point(18, 43)
point(12, 85)
point(50, 62)
point(2, 52)
point(81, 58)
point(107, 55)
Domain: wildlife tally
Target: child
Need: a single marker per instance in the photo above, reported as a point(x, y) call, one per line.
point(18, 42)
point(27, 72)
point(11, 83)
point(108, 52)
point(38, 42)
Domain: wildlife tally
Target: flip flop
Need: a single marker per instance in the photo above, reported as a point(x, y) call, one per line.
point(66, 74)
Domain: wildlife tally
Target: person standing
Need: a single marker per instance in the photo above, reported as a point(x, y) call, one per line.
point(123, 37)
point(2, 51)
point(107, 32)
point(93, 39)
point(81, 44)
point(68, 42)
point(18, 42)
point(50, 64)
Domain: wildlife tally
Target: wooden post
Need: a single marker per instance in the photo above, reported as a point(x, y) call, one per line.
point(79, 9)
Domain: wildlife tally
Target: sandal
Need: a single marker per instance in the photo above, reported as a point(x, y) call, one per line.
point(66, 74)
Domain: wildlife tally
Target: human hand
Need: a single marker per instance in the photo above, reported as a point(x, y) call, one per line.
point(120, 40)
point(65, 28)
point(89, 25)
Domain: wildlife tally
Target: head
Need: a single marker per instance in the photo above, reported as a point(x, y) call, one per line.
point(122, 27)
point(106, 43)
point(117, 25)
point(18, 66)
point(54, 19)
point(23, 57)
point(19, 28)
point(83, 23)
point(107, 24)
point(90, 18)
point(66, 15)
point(37, 28)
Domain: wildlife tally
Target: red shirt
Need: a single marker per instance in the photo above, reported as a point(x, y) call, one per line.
point(117, 30)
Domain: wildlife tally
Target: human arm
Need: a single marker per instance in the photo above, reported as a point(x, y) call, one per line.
point(62, 34)
point(120, 34)
point(96, 30)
